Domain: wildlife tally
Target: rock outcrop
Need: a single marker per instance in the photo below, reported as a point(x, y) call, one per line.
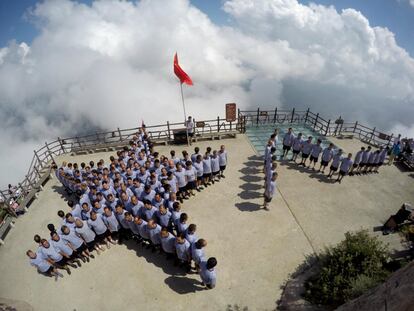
point(395, 294)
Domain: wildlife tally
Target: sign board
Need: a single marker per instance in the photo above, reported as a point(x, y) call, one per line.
point(231, 112)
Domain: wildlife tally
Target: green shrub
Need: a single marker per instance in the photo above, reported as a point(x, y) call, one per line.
point(348, 269)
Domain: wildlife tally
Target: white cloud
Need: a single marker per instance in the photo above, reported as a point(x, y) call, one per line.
point(110, 64)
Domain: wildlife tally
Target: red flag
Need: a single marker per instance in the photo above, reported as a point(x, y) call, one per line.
point(180, 73)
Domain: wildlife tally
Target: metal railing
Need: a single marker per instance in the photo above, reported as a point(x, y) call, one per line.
point(40, 167)
point(320, 125)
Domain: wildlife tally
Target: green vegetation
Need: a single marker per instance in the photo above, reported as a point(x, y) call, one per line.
point(348, 270)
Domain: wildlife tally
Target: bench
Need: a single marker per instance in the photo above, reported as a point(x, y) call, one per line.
point(215, 135)
point(345, 136)
point(5, 225)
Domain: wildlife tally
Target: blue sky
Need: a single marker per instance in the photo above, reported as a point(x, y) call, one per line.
point(396, 15)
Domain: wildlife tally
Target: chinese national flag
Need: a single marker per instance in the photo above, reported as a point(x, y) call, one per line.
point(180, 73)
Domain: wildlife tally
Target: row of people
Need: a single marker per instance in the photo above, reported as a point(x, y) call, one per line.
point(271, 175)
point(147, 175)
point(366, 160)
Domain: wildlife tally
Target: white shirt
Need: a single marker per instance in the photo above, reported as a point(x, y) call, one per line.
point(346, 164)
point(270, 188)
point(297, 143)
point(288, 139)
point(336, 160)
point(327, 154)
point(190, 126)
point(358, 157)
point(306, 147)
point(316, 150)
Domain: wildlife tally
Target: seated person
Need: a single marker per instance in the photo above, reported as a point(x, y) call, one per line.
point(403, 214)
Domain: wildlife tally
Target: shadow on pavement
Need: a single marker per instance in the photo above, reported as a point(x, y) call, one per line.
point(157, 259)
point(252, 188)
point(248, 207)
point(183, 285)
point(312, 174)
point(61, 191)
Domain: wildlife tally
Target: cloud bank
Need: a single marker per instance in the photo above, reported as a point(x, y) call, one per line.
point(110, 64)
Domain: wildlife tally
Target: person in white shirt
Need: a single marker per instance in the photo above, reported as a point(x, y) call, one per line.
point(296, 146)
point(315, 152)
point(287, 142)
point(270, 170)
point(364, 160)
point(346, 164)
point(306, 150)
point(327, 156)
point(357, 161)
point(373, 161)
point(190, 129)
point(191, 176)
point(382, 155)
point(276, 135)
point(198, 165)
point(336, 160)
point(215, 167)
point(222, 160)
point(267, 150)
point(207, 170)
point(207, 273)
point(42, 265)
point(270, 191)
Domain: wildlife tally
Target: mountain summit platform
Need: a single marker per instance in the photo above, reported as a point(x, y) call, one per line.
point(256, 249)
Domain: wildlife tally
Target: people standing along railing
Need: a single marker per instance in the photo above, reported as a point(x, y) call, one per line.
point(316, 122)
point(40, 168)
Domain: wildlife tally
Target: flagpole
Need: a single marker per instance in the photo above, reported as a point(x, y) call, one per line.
point(185, 115)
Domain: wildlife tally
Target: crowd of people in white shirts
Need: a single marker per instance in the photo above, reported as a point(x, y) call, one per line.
point(366, 160)
point(137, 196)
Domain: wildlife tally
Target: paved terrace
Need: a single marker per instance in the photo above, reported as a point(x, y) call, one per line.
point(256, 249)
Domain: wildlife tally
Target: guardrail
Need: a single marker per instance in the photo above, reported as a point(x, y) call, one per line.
point(40, 168)
point(323, 126)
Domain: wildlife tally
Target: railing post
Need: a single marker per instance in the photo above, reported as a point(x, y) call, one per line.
point(316, 120)
point(372, 134)
point(168, 129)
point(24, 192)
point(30, 183)
point(293, 114)
point(38, 159)
point(230, 126)
point(275, 116)
point(61, 144)
point(78, 141)
point(37, 171)
point(50, 152)
point(7, 204)
point(257, 118)
point(306, 116)
point(218, 124)
point(355, 126)
point(327, 127)
point(389, 141)
point(120, 135)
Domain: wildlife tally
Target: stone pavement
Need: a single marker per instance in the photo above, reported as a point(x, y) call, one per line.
point(256, 249)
